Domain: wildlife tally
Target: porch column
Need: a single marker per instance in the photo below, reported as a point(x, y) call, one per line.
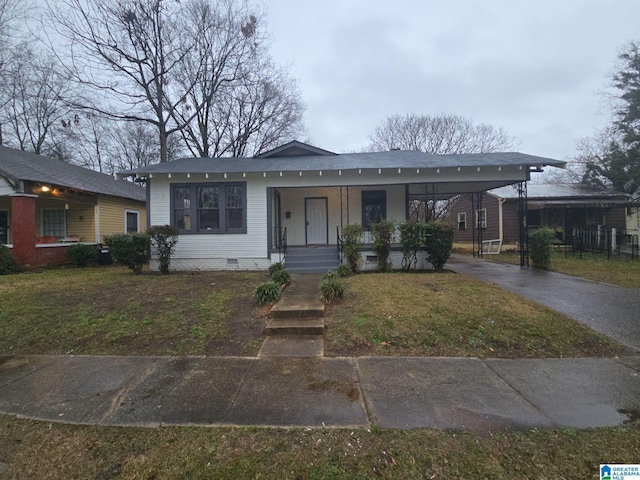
point(23, 228)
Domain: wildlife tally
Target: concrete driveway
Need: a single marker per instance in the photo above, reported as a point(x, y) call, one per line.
point(610, 310)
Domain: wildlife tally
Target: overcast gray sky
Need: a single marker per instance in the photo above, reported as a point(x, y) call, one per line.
point(535, 68)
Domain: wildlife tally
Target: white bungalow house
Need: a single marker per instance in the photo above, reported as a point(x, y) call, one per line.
point(291, 202)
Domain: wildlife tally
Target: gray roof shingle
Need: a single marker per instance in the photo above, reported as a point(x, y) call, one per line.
point(20, 165)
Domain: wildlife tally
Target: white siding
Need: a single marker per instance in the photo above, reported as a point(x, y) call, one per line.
point(245, 251)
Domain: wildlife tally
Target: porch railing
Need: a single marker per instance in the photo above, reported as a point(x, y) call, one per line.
point(368, 237)
point(279, 241)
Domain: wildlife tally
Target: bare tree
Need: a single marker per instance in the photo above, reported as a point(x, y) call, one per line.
point(227, 36)
point(126, 53)
point(134, 145)
point(262, 113)
point(244, 103)
point(440, 134)
point(35, 102)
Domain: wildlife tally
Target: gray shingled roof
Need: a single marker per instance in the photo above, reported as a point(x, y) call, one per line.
point(558, 190)
point(345, 161)
point(18, 165)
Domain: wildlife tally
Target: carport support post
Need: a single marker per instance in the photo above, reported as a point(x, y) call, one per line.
point(522, 217)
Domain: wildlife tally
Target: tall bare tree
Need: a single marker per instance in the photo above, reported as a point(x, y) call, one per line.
point(35, 102)
point(439, 134)
point(125, 52)
point(245, 103)
point(174, 65)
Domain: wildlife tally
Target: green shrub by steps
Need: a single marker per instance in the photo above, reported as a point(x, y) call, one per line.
point(267, 292)
point(80, 255)
point(331, 287)
point(344, 271)
point(279, 274)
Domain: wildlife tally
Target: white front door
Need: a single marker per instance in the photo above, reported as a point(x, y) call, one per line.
point(316, 218)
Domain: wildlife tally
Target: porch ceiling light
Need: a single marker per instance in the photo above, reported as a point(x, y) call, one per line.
point(45, 189)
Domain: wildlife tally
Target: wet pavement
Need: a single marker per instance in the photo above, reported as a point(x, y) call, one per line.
point(442, 393)
point(608, 309)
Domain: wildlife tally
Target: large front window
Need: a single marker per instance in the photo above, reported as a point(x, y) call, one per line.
point(209, 208)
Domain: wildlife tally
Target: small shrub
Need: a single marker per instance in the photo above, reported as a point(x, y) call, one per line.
point(275, 267)
point(438, 240)
point(130, 249)
point(267, 292)
point(540, 247)
point(411, 239)
point(80, 255)
point(163, 240)
point(331, 287)
point(7, 262)
point(351, 243)
point(344, 271)
point(383, 234)
point(281, 276)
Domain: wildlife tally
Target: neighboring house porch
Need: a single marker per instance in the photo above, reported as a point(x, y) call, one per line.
point(46, 205)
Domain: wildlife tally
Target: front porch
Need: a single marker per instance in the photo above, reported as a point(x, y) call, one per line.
point(307, 223)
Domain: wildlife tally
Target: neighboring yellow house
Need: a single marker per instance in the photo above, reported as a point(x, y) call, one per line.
point(47, 205)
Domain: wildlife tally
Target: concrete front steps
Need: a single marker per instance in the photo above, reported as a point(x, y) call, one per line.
point(311, 259)
point(296, 325)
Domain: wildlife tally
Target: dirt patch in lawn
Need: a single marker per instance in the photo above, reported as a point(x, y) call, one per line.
point(109, 311)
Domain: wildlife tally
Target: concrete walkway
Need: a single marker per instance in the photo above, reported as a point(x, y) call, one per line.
point(442, 393)
point(296, 326)
point(610, 310)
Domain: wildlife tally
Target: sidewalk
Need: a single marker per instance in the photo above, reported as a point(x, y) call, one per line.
point(610, 310)
point(405, 393)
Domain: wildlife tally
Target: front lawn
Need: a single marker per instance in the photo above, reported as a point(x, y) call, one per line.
point(430, 314)
point(49, 451)
point(110, 311)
